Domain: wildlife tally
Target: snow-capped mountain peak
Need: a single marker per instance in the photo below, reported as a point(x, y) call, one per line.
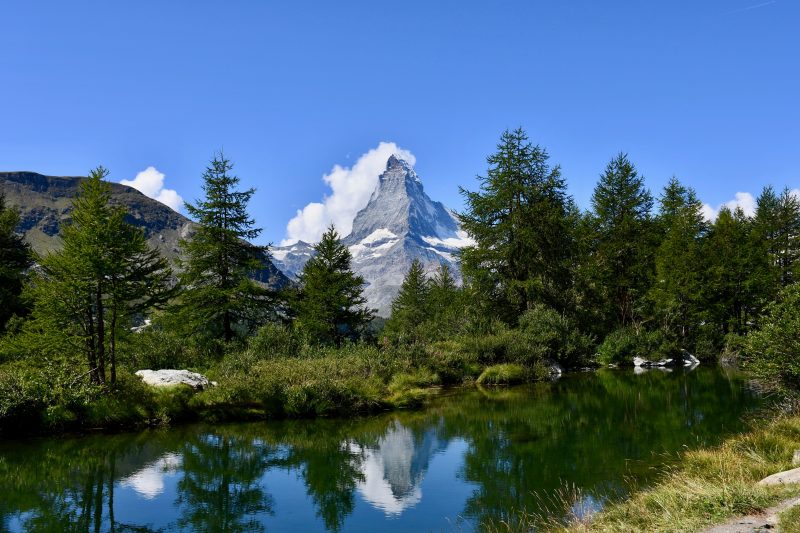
point(400, 223)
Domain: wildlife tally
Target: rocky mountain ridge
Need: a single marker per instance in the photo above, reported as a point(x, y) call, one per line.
point(45, 203)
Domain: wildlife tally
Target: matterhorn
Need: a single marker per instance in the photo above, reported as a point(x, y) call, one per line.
point(400, 223)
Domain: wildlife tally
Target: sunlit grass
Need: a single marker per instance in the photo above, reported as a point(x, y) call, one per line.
point(705, 487)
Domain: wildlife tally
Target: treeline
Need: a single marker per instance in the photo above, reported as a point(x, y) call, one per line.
point(636, 274)
point(543, 284)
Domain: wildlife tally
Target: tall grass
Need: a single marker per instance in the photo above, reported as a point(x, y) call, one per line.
point(704, 487)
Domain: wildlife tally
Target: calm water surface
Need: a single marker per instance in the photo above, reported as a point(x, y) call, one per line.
point(472, 456)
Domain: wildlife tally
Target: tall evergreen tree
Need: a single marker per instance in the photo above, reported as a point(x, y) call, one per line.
point(727, 284)
point(104, 274)
point(411, 307)
point(623, 255)
point(446, 303)
point(787, 238)
point(677, 286)
point(329, 305)
point(15, 259)
point(521, 222)
point(219, 262)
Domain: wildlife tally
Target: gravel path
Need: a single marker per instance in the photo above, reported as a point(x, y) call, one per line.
point(765, 521)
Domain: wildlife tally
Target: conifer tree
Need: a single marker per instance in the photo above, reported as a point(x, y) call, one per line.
point(446, 303)
point(729, 264)
point(410, 308)
point(104, 274)
point(219, 262)
point(623, 255)
point(677, 286)
point(329, 305)
point(15, 259)
point(521, 222)
point(787, 238)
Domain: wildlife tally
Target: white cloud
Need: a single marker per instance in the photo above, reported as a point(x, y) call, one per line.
point(150, 182)
point(351, 188)
point(745, 200)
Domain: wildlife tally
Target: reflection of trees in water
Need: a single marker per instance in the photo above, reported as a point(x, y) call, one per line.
point(524, 446)
point(66, 485)
point(520, 442)
point(328, 468)
point(220, 489)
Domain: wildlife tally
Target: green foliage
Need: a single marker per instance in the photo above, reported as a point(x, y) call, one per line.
point(322, 385)
point(622, 345)
point(773, 351)
point(89, 291)
point(522, 222)
point(162, 346)
point(49, 395)
point(503, 374)
point(676, 290)
point(551, 335)
point(411, 306)
point(219, 294)
point(15, 258)
point(329, 306)
point(622, 258)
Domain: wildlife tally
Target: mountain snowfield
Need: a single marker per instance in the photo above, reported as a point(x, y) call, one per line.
point(400, 223)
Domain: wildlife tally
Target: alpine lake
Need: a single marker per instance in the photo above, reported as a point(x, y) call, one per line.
point(473, 456)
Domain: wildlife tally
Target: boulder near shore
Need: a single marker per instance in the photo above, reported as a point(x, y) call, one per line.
point(170, 377)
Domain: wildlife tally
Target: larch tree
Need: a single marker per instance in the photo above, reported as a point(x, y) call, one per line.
point(15, 259)
point(521, 221)
point(104, 275)
point(676, 290)
point(623, 254)
point(219, 263)
point(729, 272)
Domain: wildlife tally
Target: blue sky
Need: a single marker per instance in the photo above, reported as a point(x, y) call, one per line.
point(707, 91)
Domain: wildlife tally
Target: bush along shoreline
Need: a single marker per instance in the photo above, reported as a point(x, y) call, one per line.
point(275, 374)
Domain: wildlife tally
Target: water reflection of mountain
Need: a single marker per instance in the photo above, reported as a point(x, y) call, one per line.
point(394, 468)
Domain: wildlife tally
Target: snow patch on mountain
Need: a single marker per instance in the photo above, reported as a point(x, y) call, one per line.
point(400, 223)
point(461, 240)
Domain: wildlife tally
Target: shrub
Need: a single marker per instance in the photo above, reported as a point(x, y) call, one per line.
point(622, 345)
point(275, 340)
point(546, 334)
point(157, 347)
point(504, 374)
point(773, 351)
point(51, 395)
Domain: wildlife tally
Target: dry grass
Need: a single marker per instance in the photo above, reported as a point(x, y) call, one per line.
point(705, 487)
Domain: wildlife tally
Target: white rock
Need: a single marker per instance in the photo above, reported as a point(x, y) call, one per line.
point(170, 377)
point(638, 361)
point(782, 478)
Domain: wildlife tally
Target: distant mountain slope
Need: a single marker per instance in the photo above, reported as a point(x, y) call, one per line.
point(399, 224)
point(45, 203)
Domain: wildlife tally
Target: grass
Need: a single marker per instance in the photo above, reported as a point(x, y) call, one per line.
point(705, 487)
point(502, 374)
point(790, 520)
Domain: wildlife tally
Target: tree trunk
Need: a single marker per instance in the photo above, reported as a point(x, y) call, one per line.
point(101, 337)
point(113, 350)
point(226, 326)
point(90, 346)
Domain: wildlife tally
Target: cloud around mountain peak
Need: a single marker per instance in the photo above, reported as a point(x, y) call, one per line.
point(351, 188)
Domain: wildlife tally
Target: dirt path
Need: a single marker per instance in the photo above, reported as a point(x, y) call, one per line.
point(765, 521)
